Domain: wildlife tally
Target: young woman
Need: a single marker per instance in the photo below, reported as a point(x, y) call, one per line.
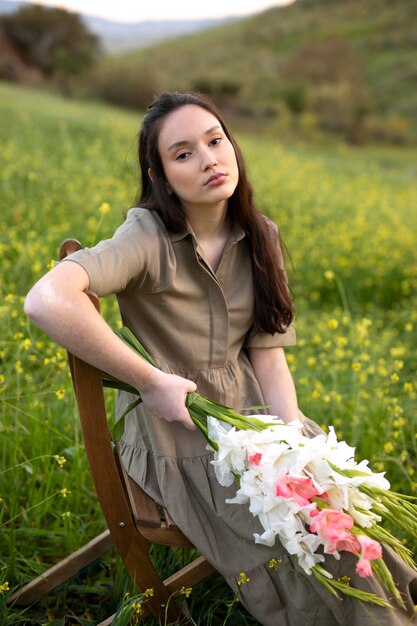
point(199, 277)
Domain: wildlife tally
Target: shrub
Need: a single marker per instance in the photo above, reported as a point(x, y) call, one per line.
point(131, 87)
point(393, 129)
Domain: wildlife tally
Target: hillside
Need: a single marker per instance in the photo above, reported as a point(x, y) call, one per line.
point(365, 47)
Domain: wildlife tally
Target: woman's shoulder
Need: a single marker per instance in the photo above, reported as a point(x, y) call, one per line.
point(272, 225)
point(144, 222)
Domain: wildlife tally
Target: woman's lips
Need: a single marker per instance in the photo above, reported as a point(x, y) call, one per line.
point(216, 179)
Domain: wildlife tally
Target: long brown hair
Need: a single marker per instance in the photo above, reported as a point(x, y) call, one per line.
point(273, 303)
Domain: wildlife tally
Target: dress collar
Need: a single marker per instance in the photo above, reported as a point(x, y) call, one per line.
point(236, 234)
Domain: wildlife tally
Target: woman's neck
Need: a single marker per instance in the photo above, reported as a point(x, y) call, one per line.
point(209, 222)
point(212, 231)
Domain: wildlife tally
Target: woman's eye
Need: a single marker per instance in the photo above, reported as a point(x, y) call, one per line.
point(181, 156)
point(215, 141)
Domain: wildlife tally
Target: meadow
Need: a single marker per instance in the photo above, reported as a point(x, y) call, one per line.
point(349, 220)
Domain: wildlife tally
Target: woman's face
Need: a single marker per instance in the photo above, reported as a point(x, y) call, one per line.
point(198, 159)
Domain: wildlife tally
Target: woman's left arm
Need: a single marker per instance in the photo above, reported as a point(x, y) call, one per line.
point(276, 382)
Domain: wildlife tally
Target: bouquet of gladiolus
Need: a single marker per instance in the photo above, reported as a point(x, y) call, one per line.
point(310, 493)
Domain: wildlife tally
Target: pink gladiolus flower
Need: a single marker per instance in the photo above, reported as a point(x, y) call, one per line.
point(346, 541)
point(331, 524)
point(363, 568)
point(300, 489)
point(255, 458)
point(370, 549)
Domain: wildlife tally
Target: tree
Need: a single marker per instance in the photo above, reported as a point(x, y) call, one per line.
point(53, 40)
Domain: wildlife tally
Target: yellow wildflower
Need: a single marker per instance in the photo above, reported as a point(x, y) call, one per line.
point(342, 341)
point(329, 275)
point(388, 447)
point(65, 492)
point(186, 591)
point(137, 607)
point(149, 593)
point(333, 324)
point(397, 410)
point(104, 208)
point(60, 393)
point(363, 377)
point(26, 343)
point(397, 351)
point(61, 460)
point(4, 587)
point(243, 579)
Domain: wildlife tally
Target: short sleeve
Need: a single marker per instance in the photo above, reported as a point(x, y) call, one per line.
point(138, 256)
point(276, 340)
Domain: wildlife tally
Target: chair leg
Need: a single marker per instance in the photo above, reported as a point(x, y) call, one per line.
point(188, 576)
point(62, 571)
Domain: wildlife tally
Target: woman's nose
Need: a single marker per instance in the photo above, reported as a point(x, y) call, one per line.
point(207, 160)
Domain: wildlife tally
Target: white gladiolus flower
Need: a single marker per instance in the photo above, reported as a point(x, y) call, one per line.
point(304, 547)
point(280, 454)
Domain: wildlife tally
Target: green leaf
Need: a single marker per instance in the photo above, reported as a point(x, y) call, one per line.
point(119, 426)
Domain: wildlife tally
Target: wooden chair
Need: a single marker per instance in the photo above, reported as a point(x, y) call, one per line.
point(133, 518)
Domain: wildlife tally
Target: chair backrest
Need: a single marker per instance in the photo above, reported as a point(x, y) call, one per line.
point(132, 516)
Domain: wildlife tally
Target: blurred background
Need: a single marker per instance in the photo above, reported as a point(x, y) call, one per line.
point(314, 66)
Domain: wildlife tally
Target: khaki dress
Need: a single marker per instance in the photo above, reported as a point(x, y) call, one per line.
point(198, 323)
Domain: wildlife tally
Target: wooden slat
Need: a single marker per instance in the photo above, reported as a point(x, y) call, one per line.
point(189, 575)
point(62, 571)
point(164, 535)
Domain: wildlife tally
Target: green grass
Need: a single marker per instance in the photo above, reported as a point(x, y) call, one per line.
point(349, 219)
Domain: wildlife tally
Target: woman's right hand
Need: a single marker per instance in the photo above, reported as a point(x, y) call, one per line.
point(164, 396)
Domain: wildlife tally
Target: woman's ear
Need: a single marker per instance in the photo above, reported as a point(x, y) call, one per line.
point(150, 174)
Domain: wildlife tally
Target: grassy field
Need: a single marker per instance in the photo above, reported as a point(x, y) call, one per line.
point(349, 220)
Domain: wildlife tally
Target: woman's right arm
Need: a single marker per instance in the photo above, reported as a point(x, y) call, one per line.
point(58, 304)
